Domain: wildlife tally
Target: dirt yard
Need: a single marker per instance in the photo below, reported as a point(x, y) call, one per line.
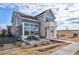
point(37, 50)
point(69, 37)
point(74, 39)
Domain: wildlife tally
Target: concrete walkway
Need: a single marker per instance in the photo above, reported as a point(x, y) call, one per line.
point(67, 50)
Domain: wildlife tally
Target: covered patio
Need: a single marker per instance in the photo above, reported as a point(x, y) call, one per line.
point(30, 29)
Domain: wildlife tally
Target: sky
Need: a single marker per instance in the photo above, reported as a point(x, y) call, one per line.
point(67, 14)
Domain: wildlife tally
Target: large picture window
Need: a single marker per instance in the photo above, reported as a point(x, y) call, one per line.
point(26, 29)
point(31, 29)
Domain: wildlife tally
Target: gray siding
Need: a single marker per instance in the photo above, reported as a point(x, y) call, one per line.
point(13, 26)
point(42, 30)
point(49, 14)
point(42, 19)
point(17, 20)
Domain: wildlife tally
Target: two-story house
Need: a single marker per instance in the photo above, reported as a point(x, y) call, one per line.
point(42, 24)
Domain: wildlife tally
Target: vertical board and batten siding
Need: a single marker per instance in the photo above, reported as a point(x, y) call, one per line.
point(41, 19)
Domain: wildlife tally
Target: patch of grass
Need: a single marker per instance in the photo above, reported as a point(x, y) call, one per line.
point(47, 48)
point(38, 49)
point(75, 39)
point(70, 38)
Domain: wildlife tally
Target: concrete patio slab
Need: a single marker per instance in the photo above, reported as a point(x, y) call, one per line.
point(68, 50)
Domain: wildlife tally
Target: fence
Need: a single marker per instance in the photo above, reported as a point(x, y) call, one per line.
point(8, 40)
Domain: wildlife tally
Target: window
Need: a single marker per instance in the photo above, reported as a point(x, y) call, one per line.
point(26, 29)
point(52, 31)
point(20, 30)
point(48, 19)
point(36, 29)
point(16, 22)
point(31, 29)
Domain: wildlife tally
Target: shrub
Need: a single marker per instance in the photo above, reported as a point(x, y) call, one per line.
point(3, 33)
point(1, 45)
point(75, 35)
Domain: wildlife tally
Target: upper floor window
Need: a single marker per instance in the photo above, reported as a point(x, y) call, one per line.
point(48, 19)
point(18, 21)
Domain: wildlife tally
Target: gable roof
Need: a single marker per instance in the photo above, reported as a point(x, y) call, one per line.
point(44, 12)
point(41, 13)
point(31, 17)
point(24, 15)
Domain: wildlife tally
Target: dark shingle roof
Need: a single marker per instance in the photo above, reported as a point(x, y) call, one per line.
point(24, 15)
point(44, 12)
point(31, 17)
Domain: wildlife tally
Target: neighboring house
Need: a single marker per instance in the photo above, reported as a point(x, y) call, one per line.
point(41, 25)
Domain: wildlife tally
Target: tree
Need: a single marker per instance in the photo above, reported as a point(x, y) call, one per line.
point(9, 31)
point(3, 33)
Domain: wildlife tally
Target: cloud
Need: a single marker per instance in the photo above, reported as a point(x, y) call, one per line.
point(7, 5)
point(2, 6)
point(38, 8)
point(63, 12)
point(2, 26)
